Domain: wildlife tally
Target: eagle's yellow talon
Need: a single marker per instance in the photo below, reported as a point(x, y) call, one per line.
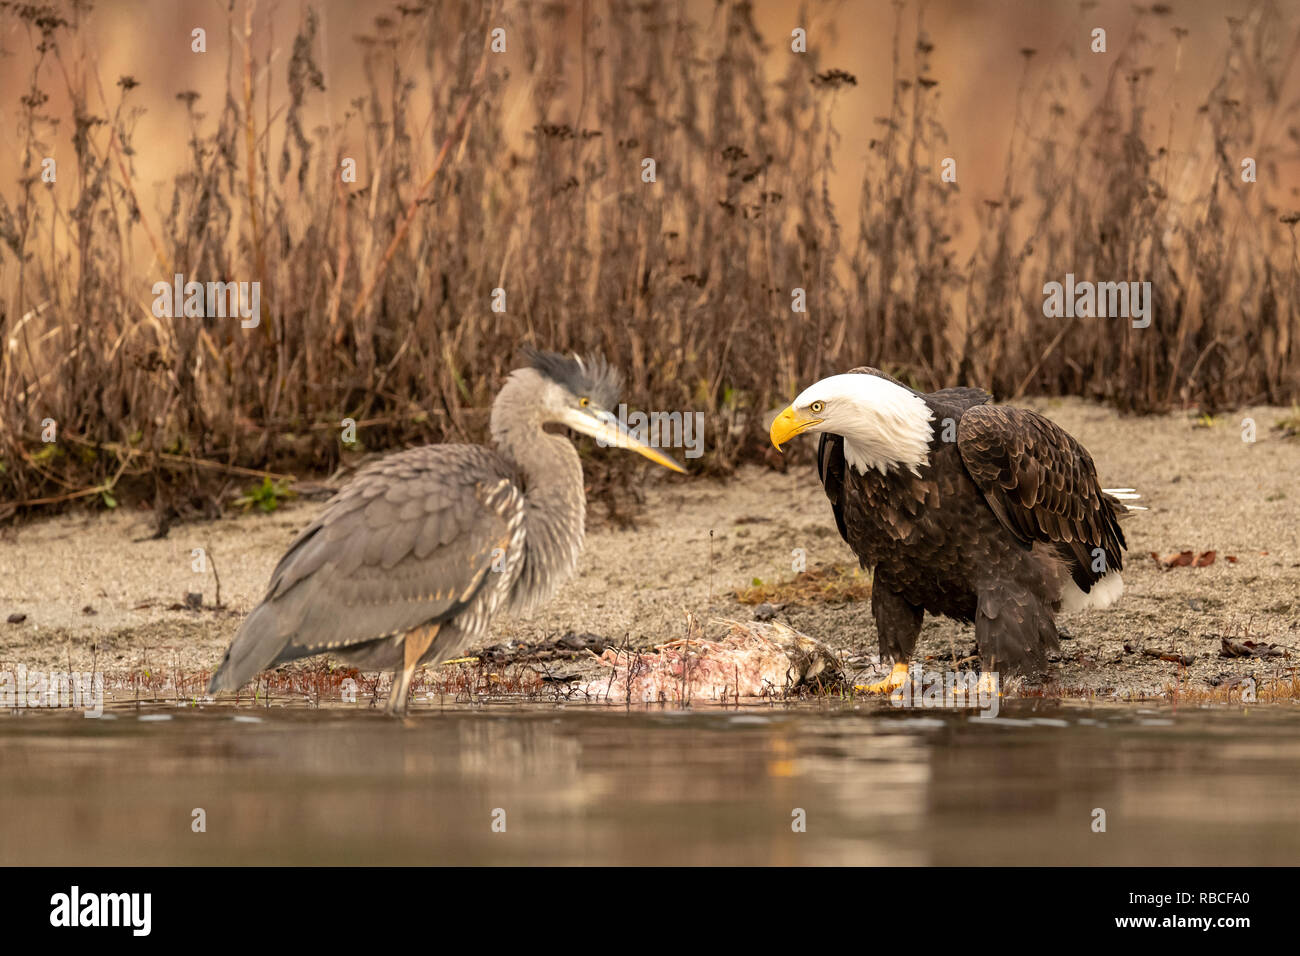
point(989, 685)
point(896, 679)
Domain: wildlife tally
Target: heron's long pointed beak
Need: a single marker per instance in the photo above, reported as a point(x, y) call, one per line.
point(788, 424)
point(608, 431)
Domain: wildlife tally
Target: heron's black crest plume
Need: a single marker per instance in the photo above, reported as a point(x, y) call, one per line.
point(591, 376)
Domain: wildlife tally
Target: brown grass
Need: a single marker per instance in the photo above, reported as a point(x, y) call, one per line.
point(834, 583)
point(376, 295)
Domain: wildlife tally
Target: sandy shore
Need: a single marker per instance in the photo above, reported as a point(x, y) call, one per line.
point(94, 591)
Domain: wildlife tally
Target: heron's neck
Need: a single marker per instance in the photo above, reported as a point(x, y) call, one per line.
point(555, 500)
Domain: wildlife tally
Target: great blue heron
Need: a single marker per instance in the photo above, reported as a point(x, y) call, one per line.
point(409, 563)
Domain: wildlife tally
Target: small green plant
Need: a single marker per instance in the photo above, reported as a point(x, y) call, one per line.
point(266, 496)
point(1289, 425)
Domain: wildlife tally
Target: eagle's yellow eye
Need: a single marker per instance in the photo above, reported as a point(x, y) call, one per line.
point(817, 407)
point(584, 401)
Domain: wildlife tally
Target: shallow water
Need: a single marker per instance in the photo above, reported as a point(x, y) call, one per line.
point(592, 784)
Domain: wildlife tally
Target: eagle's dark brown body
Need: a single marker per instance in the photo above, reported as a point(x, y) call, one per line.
point(1003, 516)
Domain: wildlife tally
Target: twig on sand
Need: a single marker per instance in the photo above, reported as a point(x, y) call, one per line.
point(215, 575)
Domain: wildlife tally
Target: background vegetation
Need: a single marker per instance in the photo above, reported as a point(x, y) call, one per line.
point(376, 295)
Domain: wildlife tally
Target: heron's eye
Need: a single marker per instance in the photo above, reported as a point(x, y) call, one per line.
point(817, 407)
point(584, 401)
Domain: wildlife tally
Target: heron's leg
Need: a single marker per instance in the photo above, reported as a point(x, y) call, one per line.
point(414, 646)
point(898, 624)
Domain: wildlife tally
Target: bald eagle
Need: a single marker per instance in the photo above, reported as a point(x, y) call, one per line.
point(987, 514)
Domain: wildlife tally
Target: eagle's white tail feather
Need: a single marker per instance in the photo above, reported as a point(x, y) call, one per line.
point(1125, 494)
point(1102, 594)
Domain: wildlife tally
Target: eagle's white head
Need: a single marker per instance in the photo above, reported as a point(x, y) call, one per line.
point(884, 424)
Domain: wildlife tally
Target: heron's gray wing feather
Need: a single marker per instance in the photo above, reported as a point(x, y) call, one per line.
point(408, 542)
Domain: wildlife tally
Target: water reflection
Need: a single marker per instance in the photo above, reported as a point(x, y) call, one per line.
point(593, 784)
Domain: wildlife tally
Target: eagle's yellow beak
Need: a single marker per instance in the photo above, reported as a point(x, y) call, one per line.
point(788, 424)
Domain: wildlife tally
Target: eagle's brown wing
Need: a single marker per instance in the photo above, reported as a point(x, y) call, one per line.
point(1042, 486)
point(408, 542)
point(830, 468)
